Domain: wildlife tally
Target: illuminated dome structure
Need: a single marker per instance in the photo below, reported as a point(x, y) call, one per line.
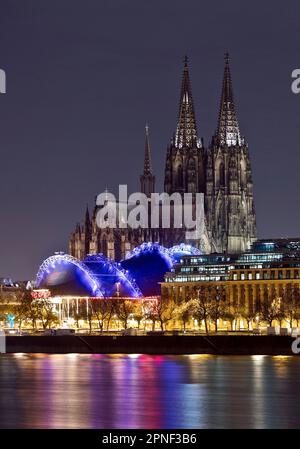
point(149, 262)
point(64, 275)
point(112, 278)
point(178, 251)
point(97, 276)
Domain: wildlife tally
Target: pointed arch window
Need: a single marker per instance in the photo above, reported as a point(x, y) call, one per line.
point(243, 175)
point(103, 247)
point(179, 177)
point(221, 175)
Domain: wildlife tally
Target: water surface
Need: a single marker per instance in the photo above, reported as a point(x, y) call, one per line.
point(141, 391)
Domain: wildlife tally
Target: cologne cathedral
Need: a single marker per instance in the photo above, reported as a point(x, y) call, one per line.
point(221, 171)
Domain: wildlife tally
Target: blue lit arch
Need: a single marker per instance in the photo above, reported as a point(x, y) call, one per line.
point(63, 274)
point(111, 276)
point(150, 247)
point(147, 264)
point(139, 274)
point(178, 251)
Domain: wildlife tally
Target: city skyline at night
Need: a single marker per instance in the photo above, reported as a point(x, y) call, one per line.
point(73, 116)
point(149, 235)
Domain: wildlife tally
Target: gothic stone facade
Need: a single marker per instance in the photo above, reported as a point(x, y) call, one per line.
point(222, 172)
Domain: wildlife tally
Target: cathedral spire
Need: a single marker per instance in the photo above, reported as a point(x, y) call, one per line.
point(87, 230)
point(228, 132)
point(147, 159)
point(186, 132)
point(147, 179)
point(87, 215)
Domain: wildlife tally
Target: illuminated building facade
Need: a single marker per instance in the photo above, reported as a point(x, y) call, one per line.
point(248, 282)
point(77, 288)
point(257, 286)
point(136, 276)
point(222, 172)
point(229, 201)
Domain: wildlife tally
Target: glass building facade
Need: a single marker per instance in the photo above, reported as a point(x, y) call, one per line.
point(269, 270)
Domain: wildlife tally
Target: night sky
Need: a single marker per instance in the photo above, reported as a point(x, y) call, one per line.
point(83, 78)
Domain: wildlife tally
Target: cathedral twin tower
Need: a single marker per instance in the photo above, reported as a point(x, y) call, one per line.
point(222, 172)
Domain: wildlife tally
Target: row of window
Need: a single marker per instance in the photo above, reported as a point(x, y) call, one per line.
point(204, 269)
point(242, 276)
point(260, 257)
point(287, 274)
point(195, 278)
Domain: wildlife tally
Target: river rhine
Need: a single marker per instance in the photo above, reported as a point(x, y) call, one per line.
point(141, 391)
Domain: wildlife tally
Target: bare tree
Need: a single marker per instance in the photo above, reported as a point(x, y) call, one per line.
point(271, 310)
point(123, 308)
point(248, 315)
point(218, 305)
point(201, 307)
point(102, 309)
point(31, 309)
point(45, 313)
point(290, 304)
point(161, 311)
point(229, 316)
point(184, 312)
point(149, 312)
point(138, 312)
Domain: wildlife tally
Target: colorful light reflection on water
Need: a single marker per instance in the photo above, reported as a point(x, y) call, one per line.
point(142, 391)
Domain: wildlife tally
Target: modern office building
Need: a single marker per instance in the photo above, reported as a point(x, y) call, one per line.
point(248, 283)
